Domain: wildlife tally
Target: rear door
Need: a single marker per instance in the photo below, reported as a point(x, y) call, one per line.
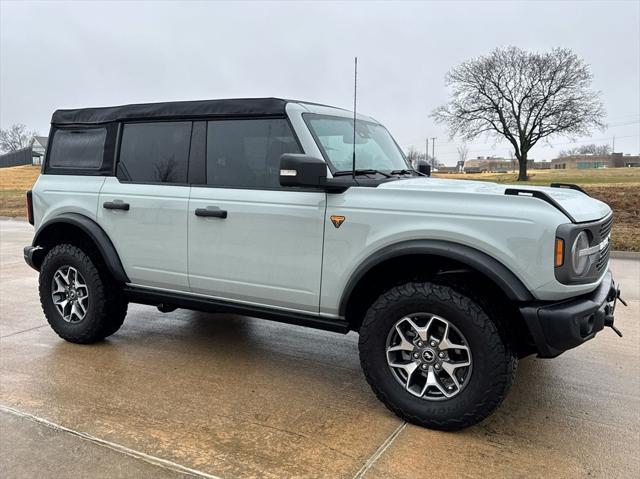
point(250, 240)
point(144, 208)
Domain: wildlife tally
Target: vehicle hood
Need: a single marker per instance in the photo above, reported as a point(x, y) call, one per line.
point(579, 205)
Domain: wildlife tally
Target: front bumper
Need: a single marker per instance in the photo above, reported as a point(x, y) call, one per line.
point(558, 326)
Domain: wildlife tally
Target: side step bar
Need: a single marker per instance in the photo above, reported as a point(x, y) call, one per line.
point(169, 299)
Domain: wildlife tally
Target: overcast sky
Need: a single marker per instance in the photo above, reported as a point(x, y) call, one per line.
point(65, 55)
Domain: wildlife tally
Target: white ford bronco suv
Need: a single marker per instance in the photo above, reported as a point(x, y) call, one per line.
point(254, 207)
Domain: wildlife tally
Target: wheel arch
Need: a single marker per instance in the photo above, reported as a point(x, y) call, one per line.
point(63, 226)
point(406, 253)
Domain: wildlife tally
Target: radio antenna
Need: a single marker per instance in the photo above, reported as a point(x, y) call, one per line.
point(355, 95)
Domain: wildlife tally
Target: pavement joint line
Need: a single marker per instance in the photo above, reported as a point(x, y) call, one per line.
point(380, 451)
point(153, 460)
point(23, 331)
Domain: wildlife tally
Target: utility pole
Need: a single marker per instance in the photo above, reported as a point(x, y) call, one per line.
point(613, 148)
point(433, 150)
point(426, 152)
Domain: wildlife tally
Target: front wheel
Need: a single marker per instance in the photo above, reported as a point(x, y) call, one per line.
point(434, 357)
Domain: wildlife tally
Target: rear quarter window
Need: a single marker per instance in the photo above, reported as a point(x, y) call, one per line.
point(78, 148)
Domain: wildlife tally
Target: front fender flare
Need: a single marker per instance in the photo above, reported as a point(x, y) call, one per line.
point(95, 233)
point(502, 276)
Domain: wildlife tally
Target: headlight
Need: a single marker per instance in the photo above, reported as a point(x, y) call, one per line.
point(580, 262)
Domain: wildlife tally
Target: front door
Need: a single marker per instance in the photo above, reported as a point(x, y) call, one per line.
point(144, 209)
point(250, 240)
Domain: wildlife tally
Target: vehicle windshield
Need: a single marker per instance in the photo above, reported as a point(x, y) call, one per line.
point(375, 148)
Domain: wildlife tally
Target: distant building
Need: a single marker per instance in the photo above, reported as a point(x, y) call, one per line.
point(39, 147)
point(542, 165)
point(448, 169)
point(492, 164)
point(589, 161)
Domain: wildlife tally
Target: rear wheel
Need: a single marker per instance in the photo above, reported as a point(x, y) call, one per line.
point(434, 357)
point(81, 302)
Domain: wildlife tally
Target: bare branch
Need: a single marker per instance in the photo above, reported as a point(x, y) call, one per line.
point(523, 97)
point(15, 138)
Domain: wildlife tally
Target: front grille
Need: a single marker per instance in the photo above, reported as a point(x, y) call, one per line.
point(604, 257)
point(605, 231)
point(605, 228)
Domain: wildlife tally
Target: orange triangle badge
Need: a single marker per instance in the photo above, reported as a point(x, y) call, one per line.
point(337, 220)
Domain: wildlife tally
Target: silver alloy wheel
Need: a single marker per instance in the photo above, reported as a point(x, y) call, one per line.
point(70, 294)
point(429, 356)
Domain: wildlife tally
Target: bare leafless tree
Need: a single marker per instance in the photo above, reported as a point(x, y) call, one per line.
point(463, 153)
point(522, 96)
point(15, 138)
point(414, 157)
point(591, 149)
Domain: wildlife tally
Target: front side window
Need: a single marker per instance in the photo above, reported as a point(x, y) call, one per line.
point(81, 148)
point(246, 153)
point(375, 148)
point(155, 152)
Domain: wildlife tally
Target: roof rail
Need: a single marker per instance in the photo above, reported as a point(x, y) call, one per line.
point(541, 195)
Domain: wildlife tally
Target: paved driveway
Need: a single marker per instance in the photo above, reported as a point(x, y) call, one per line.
point(185, 393)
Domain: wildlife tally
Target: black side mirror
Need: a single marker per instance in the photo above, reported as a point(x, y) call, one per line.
point(303, 171)
point(424, 168)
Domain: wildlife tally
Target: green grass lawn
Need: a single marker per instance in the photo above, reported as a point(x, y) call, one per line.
point(545, 177)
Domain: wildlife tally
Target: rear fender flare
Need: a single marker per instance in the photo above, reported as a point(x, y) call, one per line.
point(95, 233)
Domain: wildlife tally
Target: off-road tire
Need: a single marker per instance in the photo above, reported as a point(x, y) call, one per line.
point(494, 363)
point(106, 309)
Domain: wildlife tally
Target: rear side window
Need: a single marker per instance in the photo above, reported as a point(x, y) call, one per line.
point(155, 152)
point(246, 153)
point(77, 148)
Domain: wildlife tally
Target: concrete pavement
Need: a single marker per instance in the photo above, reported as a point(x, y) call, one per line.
point(225, 396)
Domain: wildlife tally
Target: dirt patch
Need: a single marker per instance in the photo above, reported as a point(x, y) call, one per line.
point(624, 200)
point(18, 177)
point(14, 183)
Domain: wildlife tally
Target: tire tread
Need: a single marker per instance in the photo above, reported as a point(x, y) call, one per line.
point(495, 391)
point(111, 307)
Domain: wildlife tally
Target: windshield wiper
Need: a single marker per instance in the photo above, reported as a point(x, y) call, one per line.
point(361, 172)
point(401, 172)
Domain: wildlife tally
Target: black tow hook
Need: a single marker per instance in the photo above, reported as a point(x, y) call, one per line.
point(619, 298)
point(614, 296)
point(608, 321)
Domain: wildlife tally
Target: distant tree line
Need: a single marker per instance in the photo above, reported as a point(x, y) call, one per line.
point(591, 149)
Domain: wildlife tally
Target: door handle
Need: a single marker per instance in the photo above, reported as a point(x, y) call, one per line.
point(211, 212)
point(115, 205)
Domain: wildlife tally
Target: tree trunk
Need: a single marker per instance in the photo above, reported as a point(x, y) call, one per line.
point(522, 174)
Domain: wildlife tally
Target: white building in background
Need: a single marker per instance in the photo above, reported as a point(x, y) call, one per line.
point(39, 147)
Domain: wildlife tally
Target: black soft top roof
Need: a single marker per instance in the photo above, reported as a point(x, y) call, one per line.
point(174, 109)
